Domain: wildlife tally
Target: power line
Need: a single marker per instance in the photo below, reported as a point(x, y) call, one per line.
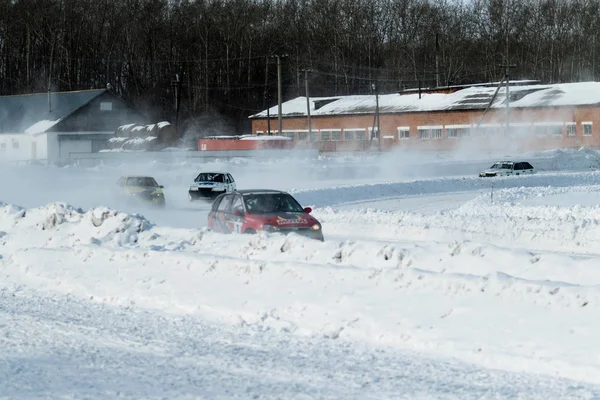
point(388, 80)
point(136, 59)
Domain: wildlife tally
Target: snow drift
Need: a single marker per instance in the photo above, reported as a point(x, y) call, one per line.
point(475, 301)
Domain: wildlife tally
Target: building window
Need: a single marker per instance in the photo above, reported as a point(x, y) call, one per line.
point(15, 144)
point(555, 130)
point(543, 129)
point(478, 131)
point(403, 132)
point(457, 131)
point(587, 128)
point(373, 133)
point(289, 134)
point(428, 132)
point(423, 133)
point(520, 131)
point(2, 146)
point(106, 106)
point(314, 135)
point(302, 135)
point(327, 135)
point(540, 131)
point(571, 129)
point(336, 135)
point(354, 134)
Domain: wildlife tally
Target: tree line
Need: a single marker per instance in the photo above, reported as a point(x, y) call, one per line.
point(221, 54)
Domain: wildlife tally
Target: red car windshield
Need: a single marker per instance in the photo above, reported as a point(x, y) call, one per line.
point(267, 203)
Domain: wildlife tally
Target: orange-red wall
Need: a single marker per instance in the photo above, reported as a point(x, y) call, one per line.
point(390, 122)
point(232, 144)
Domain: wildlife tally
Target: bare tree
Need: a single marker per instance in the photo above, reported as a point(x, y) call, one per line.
point(218, 48)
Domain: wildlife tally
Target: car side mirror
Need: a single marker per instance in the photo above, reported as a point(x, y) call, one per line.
point(307, 210)
point(161, 186)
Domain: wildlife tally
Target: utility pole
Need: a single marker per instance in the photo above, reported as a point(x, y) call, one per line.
point(177, 86)
point(279, 121)
point(437, 63)
point(268, 117)
point(490, 103)
point(267, 97)
point(507, 100)
point(507, 104)
point(377, 110)
point(49, 83)
point(307, 104)
point(508, 67)
point(279, 116)
point(376, 90)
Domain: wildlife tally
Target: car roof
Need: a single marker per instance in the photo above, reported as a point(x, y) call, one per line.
point(213, 172)
point(257, 191)
point(137, 176)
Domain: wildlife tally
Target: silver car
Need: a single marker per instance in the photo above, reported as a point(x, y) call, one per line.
point(507, 168)
point(209, 185)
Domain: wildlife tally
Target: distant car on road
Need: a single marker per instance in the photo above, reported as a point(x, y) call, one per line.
point(144, 188)
point(507, 168)
point(250, 211)
point(209, 185)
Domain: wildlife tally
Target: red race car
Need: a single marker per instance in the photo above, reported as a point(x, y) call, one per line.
point(250, 211)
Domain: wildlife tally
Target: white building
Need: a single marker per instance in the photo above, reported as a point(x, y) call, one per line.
point(53, 127)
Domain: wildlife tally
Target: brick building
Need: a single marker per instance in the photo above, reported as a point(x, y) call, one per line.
point(538, 117)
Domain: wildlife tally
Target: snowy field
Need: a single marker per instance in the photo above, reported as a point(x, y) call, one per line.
point(431, 284)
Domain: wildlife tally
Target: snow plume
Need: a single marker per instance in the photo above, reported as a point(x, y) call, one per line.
point(210, 123)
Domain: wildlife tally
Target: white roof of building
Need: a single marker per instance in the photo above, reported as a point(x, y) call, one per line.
point(263, 137)
point(41, 126)
point(247, 137)
point(472, 98)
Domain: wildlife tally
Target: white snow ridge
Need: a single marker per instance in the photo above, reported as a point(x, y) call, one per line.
point(424, 288)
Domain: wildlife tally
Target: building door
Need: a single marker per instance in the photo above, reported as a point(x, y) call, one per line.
point(33, 150)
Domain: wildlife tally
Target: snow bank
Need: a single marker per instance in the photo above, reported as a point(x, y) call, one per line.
point(566, 159)
point(501, 217)
point(431, 297)
point(62, 225)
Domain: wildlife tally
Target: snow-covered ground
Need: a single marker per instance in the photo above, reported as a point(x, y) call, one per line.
point(428, 285)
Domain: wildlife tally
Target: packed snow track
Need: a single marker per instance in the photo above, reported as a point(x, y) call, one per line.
point(425, 287)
